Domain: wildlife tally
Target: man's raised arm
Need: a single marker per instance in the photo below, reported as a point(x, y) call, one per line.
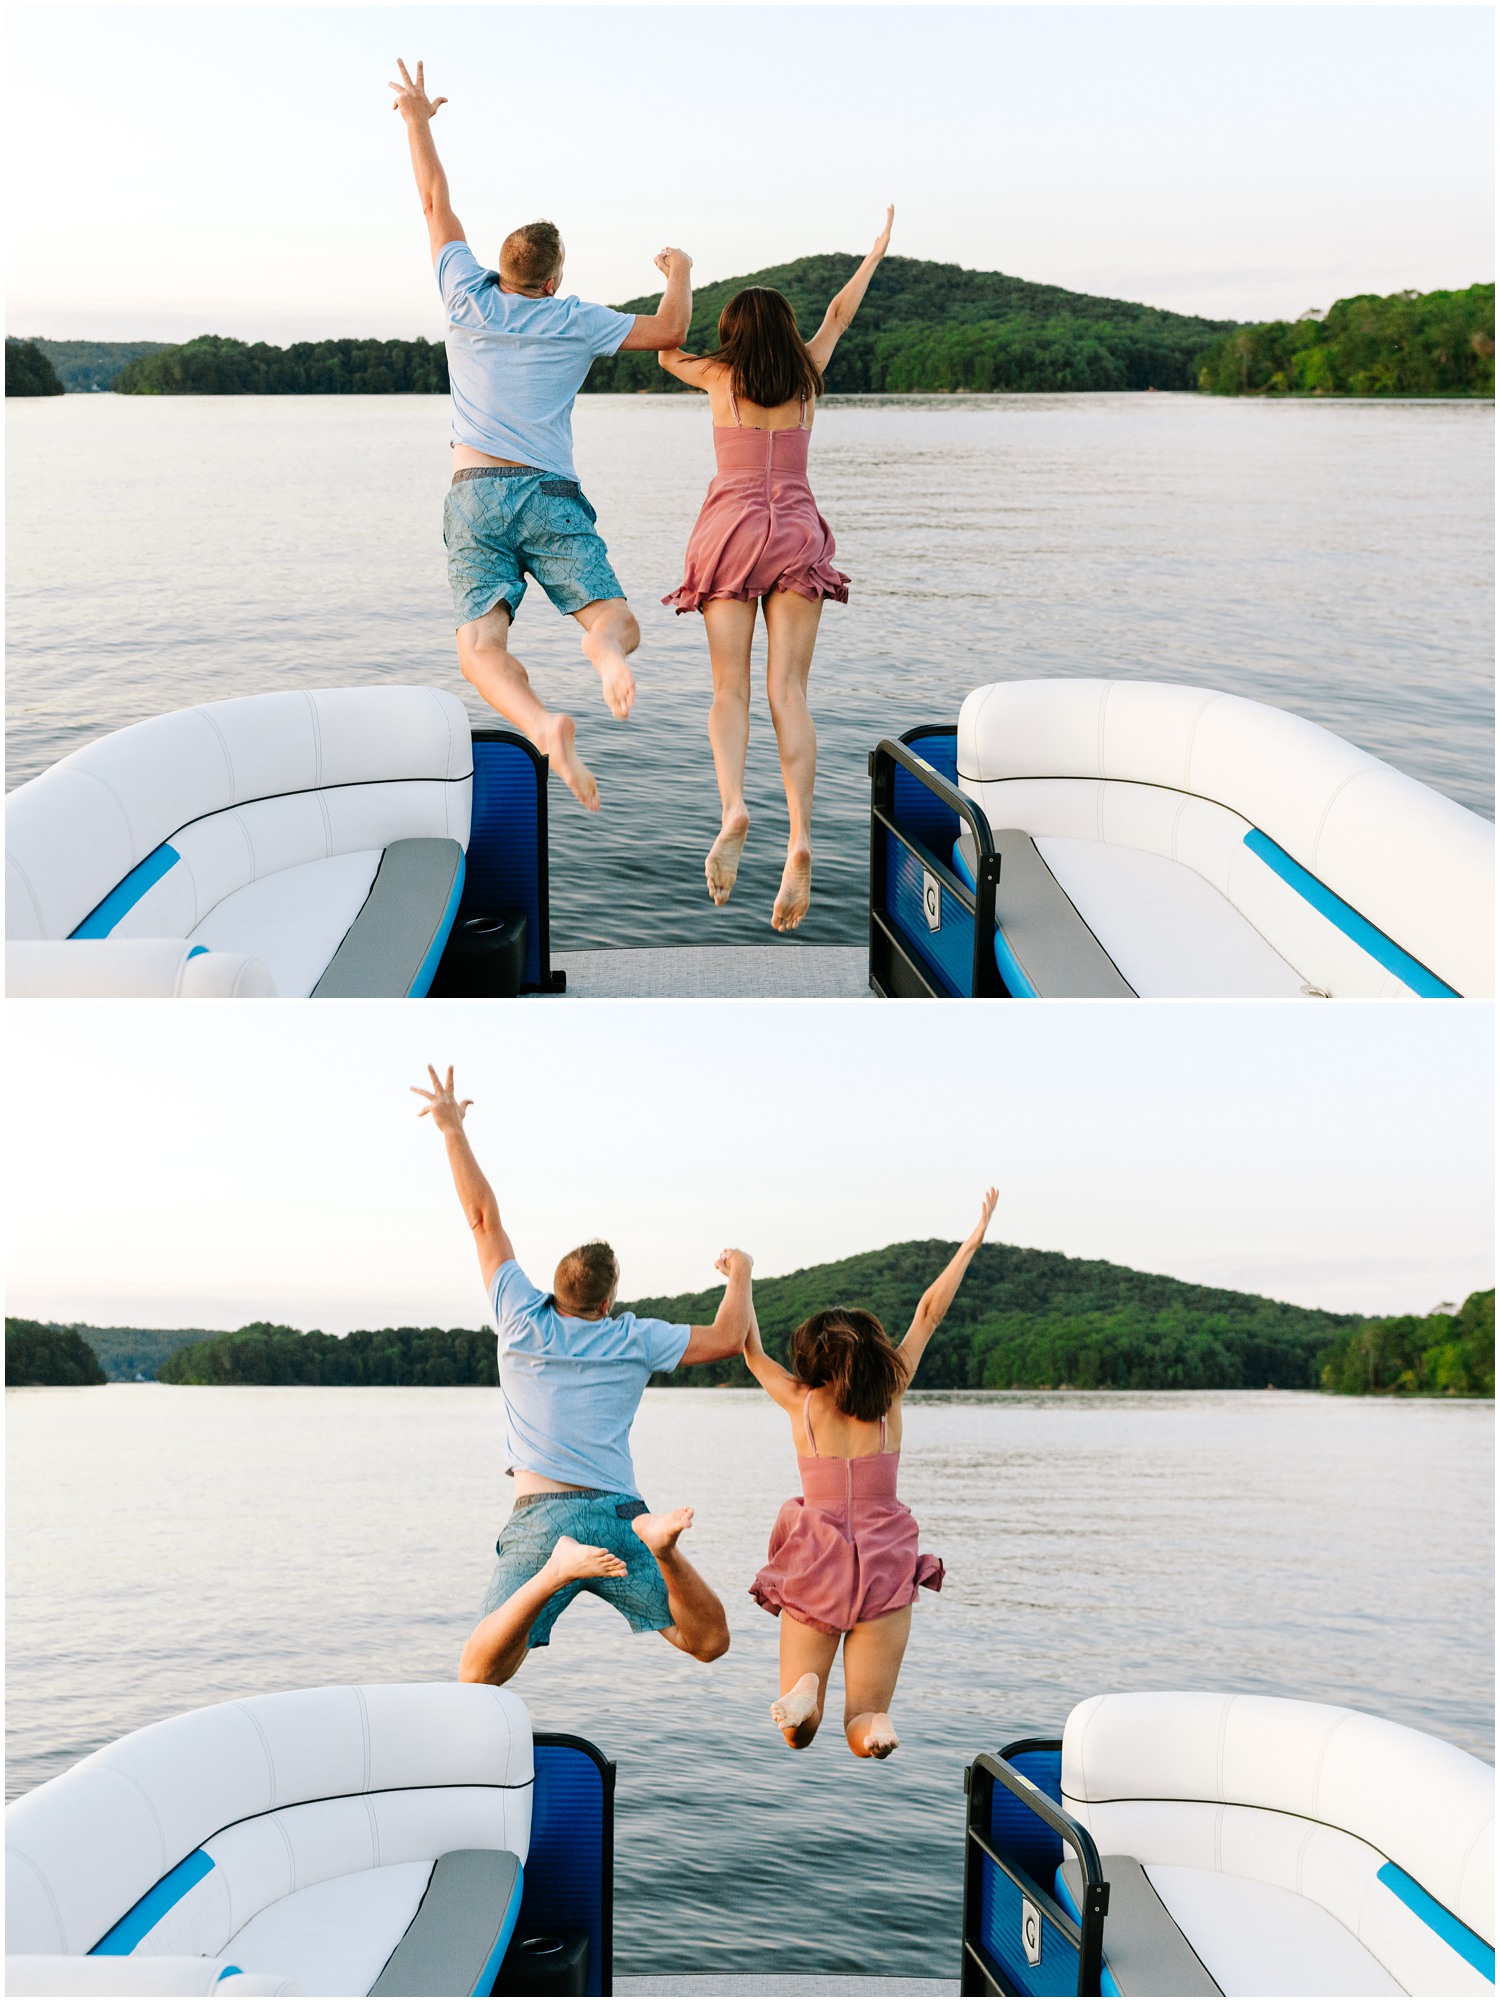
point(668, 326)
point(481, 1211)
point(419, 110)
point(725, 1334)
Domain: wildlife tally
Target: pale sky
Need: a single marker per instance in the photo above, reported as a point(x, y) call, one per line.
point(206, 1166)
point(239, 170)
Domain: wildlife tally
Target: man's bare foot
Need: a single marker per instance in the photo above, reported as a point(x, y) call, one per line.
point(723, 863)
point(570, 1560)
point(880, 1739)
point(797, 1705)
point(660, 1532)
point(795, 893)
point(614, 674)
point(561, 755)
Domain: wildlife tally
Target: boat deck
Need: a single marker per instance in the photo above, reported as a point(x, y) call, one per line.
point(777, 1984)
point(723, 973)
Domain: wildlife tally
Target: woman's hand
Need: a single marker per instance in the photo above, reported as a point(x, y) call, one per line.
point(986, 1211)
point(883, 241)
point(665, 259)
point(729, 1260)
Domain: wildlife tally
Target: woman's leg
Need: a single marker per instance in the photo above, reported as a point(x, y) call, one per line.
point(872, 1661)
point(730, 626)
point(791, 633)
point(806, 1658)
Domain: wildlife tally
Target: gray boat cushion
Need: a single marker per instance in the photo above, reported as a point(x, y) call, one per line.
point(1145, 1949)
point(459, 1928)
point(1058, 953)
point(398, 924)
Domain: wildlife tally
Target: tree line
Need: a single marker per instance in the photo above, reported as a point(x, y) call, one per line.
point(1023, 1320)
point(214, 366)
point(1409, 344)
point(28, 372)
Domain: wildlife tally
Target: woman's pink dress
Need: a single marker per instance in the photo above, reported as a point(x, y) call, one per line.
point(845, 1550)
point(759, 529)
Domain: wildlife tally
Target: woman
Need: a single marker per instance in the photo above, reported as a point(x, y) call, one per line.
point(760, 538)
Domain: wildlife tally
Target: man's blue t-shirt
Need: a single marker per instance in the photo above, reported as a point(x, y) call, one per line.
point(515, 364)
point(572, 1387)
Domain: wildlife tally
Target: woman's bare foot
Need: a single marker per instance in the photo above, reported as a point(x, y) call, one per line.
point(614, 674)
point(561, 755)
point(880, 1738)
point(723, 863)
point(797, 1705)
point(570, 1560)
point(795, 894)
point(660, 1532)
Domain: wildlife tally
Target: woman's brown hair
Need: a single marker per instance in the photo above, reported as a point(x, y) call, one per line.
point(847, 1351)
point(766, 357)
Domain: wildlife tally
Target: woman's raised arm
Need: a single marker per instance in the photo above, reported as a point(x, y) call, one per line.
point(938, 1298)
point(772, 1378)
point(845, 304)
point(691, 369)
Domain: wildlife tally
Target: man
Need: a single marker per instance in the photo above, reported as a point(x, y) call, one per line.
point(572, 1372)
point(517, 357)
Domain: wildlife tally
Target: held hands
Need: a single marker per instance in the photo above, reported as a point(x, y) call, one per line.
point(882, 242)
point(667, 260)
point(447, 1111)
point(732, 1263)
point(986, 1211)
point(414, 104)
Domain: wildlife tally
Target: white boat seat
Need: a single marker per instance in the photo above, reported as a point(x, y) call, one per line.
point(71, 1975)
point(146, 969)
point(1300, 1848)
point(1356, 879)
point(252, 827)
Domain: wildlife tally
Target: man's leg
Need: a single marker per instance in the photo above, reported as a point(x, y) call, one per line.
point(609, 633)
point(699, 1626)
point(485, 657)
point(497, 1646)
point(730, 626)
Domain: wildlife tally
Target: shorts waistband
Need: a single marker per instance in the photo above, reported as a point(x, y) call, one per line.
point(502, 473)
point(566, 1494)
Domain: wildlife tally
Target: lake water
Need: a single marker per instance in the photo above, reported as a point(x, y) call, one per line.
point(169, 1547)
point(1336, 559)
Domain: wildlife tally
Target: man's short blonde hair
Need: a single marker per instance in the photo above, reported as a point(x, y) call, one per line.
point(531, 255)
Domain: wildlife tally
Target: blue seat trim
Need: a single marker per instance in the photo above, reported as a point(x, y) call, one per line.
point(1062, 1891)
point(1010, 967)
point(1366, 936)
point(128, 892)
point(1451, 1931)
point(486, 1982)
point(126, 1935)
point(427, 972)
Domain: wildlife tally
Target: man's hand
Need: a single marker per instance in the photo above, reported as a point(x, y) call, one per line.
point(669, 259)
point(412, 100)
point(730, 1262)
point(986, 1211)
point(882, 242)
point(447, 1111)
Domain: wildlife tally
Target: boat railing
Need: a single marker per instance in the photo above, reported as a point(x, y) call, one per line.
point(931, 934)
point(1010, 1917)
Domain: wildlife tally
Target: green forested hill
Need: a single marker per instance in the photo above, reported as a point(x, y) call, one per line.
point(38, 1354)
point(210, 365)
point(1410, 344)
point(926, 326)
point(28, 371)
point(1438, 1355)
point(89, 365)
point(267, 1354)
point(1026, 1319)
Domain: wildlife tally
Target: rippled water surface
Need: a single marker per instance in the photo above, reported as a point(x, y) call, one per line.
point(168, 1547)
point(1332, 558)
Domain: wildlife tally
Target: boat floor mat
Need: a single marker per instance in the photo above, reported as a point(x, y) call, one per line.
point(455, 1943)
point(1144, 1948)
point(405, 917)
point(1053, 946)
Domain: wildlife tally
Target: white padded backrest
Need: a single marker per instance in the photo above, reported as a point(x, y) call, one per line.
point(1424, 1804)
point(1417, 865)
point(78, 829)
point(71, 1974)
point(137, 968)
point(83, 1848)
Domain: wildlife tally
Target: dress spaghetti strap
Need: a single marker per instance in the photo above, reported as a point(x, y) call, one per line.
point(807, 1423)
point(802, 413)
point(734, 404)
point(882, 1432)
